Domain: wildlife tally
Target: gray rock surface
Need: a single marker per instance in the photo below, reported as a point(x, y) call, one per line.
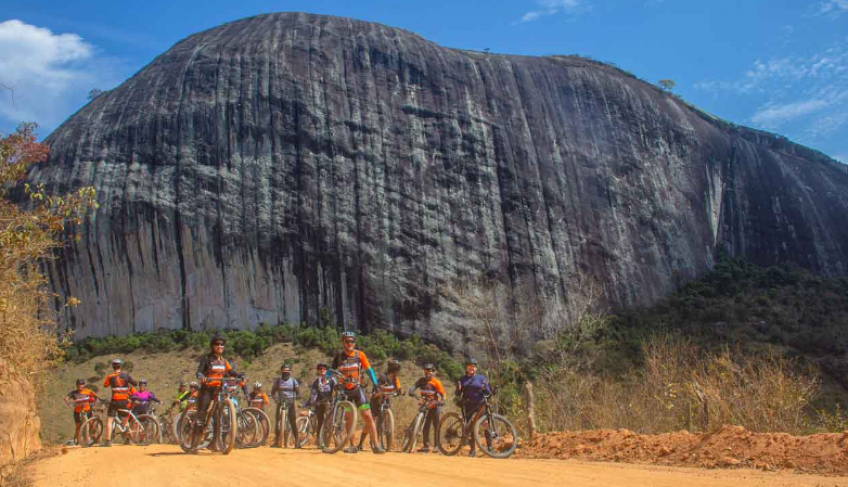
point(288, 165)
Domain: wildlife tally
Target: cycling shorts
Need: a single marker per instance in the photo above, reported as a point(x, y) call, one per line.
point(80, 417)
point(114, 406)
point(357, 396)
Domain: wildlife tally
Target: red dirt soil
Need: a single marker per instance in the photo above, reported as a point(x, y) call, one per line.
point(730, 447)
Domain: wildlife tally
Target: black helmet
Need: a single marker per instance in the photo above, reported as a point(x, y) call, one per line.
point(80, 381)
point(142, 381)
point(285, 367)
point(471, 361)
point(393, 365)
point(321, 365)
point(429, 366)
point(217, 338)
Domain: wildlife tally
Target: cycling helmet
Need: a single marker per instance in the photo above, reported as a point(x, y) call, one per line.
point(257, 385)
point(286, 367)
point(393, 365)
point(217, 338)
point(194, 385)
point(429, 366)
point(471, 361)
point(348, 334)
point(117, 362)
point(80, 381)
point(142, 382)
point(321, 365)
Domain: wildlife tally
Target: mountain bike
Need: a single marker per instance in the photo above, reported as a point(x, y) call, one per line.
point(340, 422)
point(283, 433)
point(386, 423)
point(491, 432)
point(415, 430)
point(248, 426)
point(221, 426)
point(168, 426)
point(141, 430)
point(263, 424)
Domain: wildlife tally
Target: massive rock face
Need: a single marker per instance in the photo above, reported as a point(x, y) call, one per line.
point(291, 165)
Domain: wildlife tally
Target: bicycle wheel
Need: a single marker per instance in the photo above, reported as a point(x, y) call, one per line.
point(227, 426)
point(279, 426)
point(248, 430)
point(410, 436)
point(288, 435)
point(495, 435)
point(336, 430)
point(149, 432)
point(263, 422)
point(91, 431)
point(451, 438)
point(386, 429)
point(185, 426)
point(304, 430)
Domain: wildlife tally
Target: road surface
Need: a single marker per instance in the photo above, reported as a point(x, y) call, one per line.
point(167, 465)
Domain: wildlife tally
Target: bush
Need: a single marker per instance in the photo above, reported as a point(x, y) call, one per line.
point(101, 368)
point(94, 379)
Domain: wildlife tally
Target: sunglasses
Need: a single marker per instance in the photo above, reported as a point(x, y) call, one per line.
point(350, 341)
point(218, 344)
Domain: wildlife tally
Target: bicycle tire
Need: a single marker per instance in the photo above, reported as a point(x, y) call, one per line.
point(227, 426)
point(410, 436)
point(91, 431)
point(330, 430)
point(303, 430)
point(288, 435)
point(503, 436)
point(248, 430)
point(185, 427)
point(150, 430)
point(386, 430)
point(451, 437)
point(264, 424)
point(279, 425)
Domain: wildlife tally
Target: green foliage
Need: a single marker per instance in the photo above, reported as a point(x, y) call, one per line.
point(100, 369)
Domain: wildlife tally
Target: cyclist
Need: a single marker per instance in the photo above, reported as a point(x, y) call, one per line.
point(181, 399)
point(433, 394)
point(257, 398)
point(286, 388)
point(387, 383)
point(320, 394)
point(82, 397)
point(122, 387)
point(352, 363)
point(211, 370)
point(191, 402)
point(471, 389)
point(142, 398)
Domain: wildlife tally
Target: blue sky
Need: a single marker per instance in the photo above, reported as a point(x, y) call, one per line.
point(778, 65)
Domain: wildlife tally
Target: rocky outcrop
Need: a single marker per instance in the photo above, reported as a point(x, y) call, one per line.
point(19, 421)
point(288, 165)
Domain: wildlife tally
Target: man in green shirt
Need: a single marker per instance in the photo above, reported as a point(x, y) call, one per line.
point(182, 397)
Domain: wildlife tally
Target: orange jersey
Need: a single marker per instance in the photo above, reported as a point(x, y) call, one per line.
point(351, 366)
point(430, 388)
point(214, 368)
point(121, 384)
point(82, 399)
point(191, 402)
point(259, 400)
point(388, 386)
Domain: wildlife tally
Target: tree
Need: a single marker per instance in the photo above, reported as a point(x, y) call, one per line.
point(667, 84)
point(27, 237)
point(94, 94)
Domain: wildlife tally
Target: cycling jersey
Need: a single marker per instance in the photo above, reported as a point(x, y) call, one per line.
point(191, 402)
point(321, 390)
point(388, 386)
point(351, 365)
point(258, 400)
point(182, 399)
point(430, 388)
point(285, 389)
point(472, 388)
point(142, 401)
point(82, 399)
point(214, 368)
point(122, 385)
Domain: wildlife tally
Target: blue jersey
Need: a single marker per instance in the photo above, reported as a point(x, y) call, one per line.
point(472, 388)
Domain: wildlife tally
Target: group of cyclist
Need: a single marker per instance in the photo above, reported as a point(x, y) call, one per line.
point(350, 363)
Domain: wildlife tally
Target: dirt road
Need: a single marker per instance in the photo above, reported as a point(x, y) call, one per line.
point(130, 466)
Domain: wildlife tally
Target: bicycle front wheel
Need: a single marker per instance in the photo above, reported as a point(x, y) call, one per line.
point(149, 432)
point(495, 435)
point(227, 426)
point(338, 428)
point(263, 422)
point(91, 431)
point(303, 430)
point(410, 436)
point(451, 438)
point(386, 429)
point(248, 431)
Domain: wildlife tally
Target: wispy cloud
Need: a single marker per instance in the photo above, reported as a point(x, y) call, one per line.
point(551, 7)
point(833, 8)
point(772, 115)
point(48, 73)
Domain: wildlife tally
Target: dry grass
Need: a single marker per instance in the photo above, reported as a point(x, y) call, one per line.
point(680, 387)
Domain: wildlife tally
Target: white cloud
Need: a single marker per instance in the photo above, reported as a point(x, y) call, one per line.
point(772, 115)
point(833, 7)
point(48, 73)
point(551, 7)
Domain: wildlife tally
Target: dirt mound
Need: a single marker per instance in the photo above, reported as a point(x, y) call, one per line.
point(19, 424)
point(730, 447)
